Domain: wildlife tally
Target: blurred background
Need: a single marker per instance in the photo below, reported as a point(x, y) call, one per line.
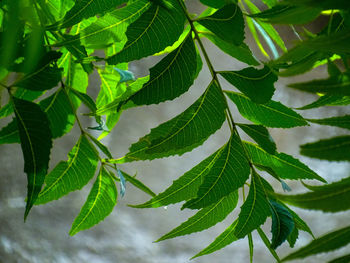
point(127, 235)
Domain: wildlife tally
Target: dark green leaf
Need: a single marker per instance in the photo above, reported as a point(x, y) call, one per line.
point(44, 76)
point(282, 224)
point(171, 77)
point(227, 23)
point(257, 84)
point(99, 204)
point(324, 4)
point(102, 147)
point(260, 135)
point(227, 174)
point(10, 133)
point(36, 143)
point(217, 3)
point(185, 187)
point(285, 166)
point(342, 121)
point(333, 149)
point(272, 114)
point(328, 242)
point(226, 238)
point(153, 31)
point(343, 259)
point(255, 209)
point(327, 100)
point(328, 198)
point(293, 236)
point(206, 217)
point(286, 14)
point(72, 174)
point(184, 132)
point(84, 9)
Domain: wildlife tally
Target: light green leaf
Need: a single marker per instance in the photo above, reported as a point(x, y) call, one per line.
point(328, 242)
point(342, 121)
point(333, 149)
point(327, 100)
point(226, 238)
point(154, 30)
point(227, 174)
point(36, 143)
point(282, 224)
point(185, 187)
point(84, 9)
point(285, 166)
point(254, 210)
point(227, 23)
point(206, 217)
point(99, 204)
point(138, 184)
point(272, 114)
point(257, 84)
point(327, 198)
point(70, 175)
point(171, 77)
point(184, 132)
point(260, 135)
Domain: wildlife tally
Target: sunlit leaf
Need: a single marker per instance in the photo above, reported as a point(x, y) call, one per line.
point(327, 100)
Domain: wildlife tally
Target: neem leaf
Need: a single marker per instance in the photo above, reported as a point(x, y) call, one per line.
point(206, 217)
point(138, 184)
point(327, 100)
point(327, 198)
point(282, 224)
point(186, 186)
point(84, 9)
point(171, 77)
point(44, 76)
point(10, 133)
point(36, 143)
point(254, 210)
point(260, 135)
point(342, 121)
point(227, 23)
point(285, 166)
point(257, 84)
point(154, 30)
point(272, 114)
point(343, 259)
point(224, 239)
point(184, 132)
point(216, 3)
point(99, 204)
point(227, 174)
point(328, 242)
point(333, 149)
point(324, 4)
point(70, 175)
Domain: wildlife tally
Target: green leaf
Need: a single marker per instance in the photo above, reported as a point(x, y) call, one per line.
point(44, 76)
point(84, 9)
point(36, 143)
point(286, 14)
point(184, 132)
point(328, 242)
point(70, 175)
point(227, 174)
point(86, 99)
point(254, 210)
point(153, 31)
point(342, 121)
point(224, 239)
point(217, 3)
point(99, 204)
point(327, 198)
point(282, 224)
point(293, 236)
point(171, 77)
point(343, 259)
point(10, 133)
point(333, 149)
point(272, 114)
point(110, 28)
point(327, 100)
point(324, 4)
point(206, 217)
point(285, 166)
point(59, 112)
point(138, 184)
point(267, 244)
point(185, 187)
point(101, 146)
point(339, 85)
point(227, 23)
point(257, 84)
point(260, 135)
